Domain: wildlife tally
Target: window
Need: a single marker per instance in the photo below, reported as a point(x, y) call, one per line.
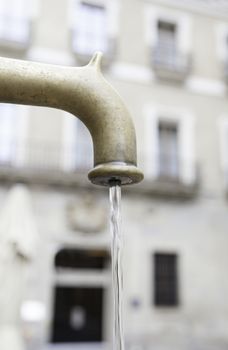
point(8, 134)
point(90, 29)
point(168, 34)
point(83, 153)
point(167, 42)
point(82, 259)
point(165, 279)
point(77, 145)
point(14, 21)
point(168, 149)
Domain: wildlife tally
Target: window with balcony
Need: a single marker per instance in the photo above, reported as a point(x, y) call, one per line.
point(168, 150)
point(165, 279)
point(14, 22)
point(168, 61)
point(168, 35)
point(170, 166)
point(90, 29)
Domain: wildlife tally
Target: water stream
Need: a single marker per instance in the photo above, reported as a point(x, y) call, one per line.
point(117, 274)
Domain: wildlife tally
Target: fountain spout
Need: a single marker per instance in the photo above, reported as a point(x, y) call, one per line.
point(84, 93)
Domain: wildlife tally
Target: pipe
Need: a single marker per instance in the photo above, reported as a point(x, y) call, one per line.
point(86, 94)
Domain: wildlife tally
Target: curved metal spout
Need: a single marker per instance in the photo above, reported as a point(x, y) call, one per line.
point(86, 94)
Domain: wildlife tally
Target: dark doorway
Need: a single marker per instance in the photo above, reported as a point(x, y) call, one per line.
point(77, 315)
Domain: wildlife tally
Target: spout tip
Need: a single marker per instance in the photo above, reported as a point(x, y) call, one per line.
point(125, 174)
point(96, 60)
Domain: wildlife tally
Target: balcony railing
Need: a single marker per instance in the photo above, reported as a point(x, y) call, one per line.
point(49, 163)
point(170, 176)
point(170, 64)
point(44, 162)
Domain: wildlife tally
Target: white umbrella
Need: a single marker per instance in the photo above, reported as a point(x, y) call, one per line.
point(18, 236)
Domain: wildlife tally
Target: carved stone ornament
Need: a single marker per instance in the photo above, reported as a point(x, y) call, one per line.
point(87, 214)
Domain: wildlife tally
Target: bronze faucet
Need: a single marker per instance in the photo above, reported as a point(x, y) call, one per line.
point(86, 94)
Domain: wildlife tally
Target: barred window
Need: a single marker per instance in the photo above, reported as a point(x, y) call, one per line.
point(165, 279)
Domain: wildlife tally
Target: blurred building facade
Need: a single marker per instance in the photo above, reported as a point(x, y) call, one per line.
point(168, 59)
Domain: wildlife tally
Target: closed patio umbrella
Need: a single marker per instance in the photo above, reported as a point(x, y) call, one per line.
point(18, 236)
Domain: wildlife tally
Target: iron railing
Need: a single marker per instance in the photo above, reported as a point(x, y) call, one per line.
point(169, 176)
point(166, 59)
point(48, 162)
point(45, 156)
point(167, 166)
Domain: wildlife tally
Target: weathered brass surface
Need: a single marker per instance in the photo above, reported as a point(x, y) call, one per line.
point(86, 94)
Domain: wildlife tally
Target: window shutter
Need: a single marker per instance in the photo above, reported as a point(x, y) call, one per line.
point(186, 149)
point(151, 146)
point(168, 149)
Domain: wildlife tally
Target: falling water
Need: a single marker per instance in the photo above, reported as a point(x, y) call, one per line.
point(117, 275)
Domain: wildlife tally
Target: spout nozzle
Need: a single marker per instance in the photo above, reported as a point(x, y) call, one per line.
point(115, 163)
point(118, 172)
point(96, 60)
point(114, 182)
